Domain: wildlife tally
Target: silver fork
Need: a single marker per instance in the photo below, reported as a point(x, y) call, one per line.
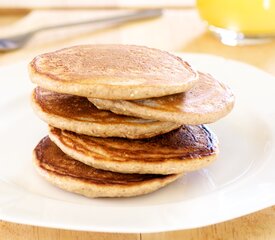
point(18, 41)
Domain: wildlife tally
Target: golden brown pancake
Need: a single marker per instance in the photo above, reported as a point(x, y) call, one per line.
point(77, 114)
point(74, 176)
point(185, 149)
point(207, 101)
point(112, 72)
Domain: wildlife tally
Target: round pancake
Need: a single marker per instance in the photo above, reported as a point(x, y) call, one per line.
point(186, 149)
point(112, 72)
point(77, 114)
point(74, 176)
point(206, 102)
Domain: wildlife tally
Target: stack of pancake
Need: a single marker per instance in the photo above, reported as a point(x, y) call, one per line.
point(123, 120)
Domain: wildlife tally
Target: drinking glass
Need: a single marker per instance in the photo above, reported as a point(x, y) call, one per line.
point(238, 22)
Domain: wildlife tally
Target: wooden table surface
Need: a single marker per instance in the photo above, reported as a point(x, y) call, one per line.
point(178, 30)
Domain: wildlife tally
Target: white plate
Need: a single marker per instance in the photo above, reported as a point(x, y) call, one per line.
point(241, 181)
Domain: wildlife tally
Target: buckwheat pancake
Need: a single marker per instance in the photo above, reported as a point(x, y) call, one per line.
point(185, 149)
point(207, 101)
point(77, 114)
point(74, 176)
point(112, 72)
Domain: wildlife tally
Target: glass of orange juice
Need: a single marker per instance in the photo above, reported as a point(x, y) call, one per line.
point(238, 22)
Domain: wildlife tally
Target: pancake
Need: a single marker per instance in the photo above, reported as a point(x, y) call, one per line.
point(185, 149)
point(112, 72)
point(77, 114)
point(206, 102)
point(74, 176)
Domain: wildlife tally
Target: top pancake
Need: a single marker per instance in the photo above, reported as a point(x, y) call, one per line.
point(112, 72)
point(206, 102)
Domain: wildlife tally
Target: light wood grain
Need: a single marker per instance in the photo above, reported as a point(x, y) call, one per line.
point(175, 31)
point(12, 231)
point(257, 226)
point(84, 4)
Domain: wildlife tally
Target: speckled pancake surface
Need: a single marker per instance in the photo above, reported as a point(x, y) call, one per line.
point(77, 114)
point(185, 149)
point(206, 102)
point(112, 72)
point(74, 176)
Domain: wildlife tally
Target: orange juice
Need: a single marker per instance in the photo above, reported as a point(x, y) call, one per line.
point(249, 17)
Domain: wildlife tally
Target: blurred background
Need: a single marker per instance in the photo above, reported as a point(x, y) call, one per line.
point(183, 26)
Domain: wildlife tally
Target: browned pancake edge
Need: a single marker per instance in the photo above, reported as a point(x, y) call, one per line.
point(74, 176)
point(79, 115)
point(185, 149)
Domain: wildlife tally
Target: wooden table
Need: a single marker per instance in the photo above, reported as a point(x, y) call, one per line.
point(178, 30)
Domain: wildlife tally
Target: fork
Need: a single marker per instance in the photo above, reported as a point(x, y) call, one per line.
point(18, 41)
